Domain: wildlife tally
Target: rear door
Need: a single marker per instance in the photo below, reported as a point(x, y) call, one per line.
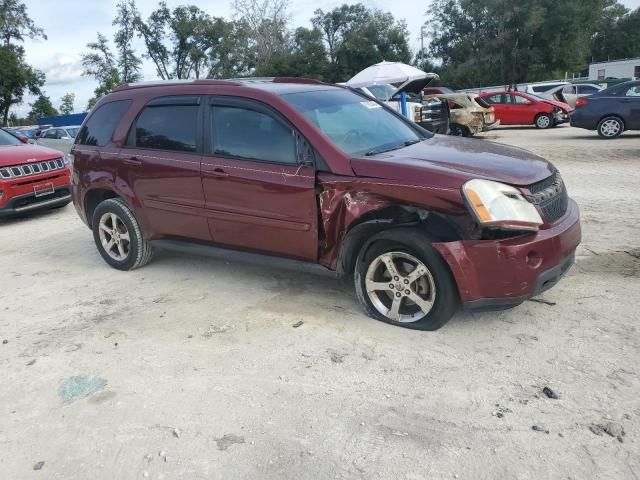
point(259, 195)
point(160, 162)
point(570, 94)
point(523, 110)
point(500, 107)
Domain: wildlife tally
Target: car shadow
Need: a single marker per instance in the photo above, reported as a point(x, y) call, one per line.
point(26, 217)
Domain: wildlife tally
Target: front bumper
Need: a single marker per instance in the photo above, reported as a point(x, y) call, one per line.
point(561, 117)
point(494, 274)
point(436, 126)
point(26, 194)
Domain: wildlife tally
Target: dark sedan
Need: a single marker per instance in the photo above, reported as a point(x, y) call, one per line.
point(611, 111)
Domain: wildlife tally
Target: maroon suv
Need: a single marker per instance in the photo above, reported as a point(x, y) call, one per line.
point(422, 223)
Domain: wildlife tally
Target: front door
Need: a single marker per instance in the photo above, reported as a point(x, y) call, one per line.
point(258, 194)
point(631, 102)
point(501, 106)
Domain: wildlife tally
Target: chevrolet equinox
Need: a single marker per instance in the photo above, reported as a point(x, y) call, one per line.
point(421, 223)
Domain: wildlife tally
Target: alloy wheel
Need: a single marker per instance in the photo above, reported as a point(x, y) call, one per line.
point(400, 287)
point(543, 121)
point(610, 128)
point(114, 236)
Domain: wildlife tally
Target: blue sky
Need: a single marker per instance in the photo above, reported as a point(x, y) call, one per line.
point(71, 24)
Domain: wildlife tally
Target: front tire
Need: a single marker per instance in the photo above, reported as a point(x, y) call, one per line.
point(400, 279)
point(610, 127)
point(544, 121)
point(118, 236)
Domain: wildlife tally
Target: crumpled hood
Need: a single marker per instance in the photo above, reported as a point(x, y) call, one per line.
point(25, 153)
point(564, 106)
point(451, 161)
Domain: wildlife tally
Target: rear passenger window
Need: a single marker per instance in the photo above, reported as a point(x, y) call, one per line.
point(99, 128)
point(244, 133)
point(166, 127)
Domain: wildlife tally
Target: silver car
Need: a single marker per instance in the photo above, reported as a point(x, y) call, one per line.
point(59, 138)
point(570, 93)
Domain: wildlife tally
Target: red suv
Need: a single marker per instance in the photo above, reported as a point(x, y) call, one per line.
point(422, 223)
point(31, 177)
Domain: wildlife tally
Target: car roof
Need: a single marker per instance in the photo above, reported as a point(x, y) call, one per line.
point(274, 85)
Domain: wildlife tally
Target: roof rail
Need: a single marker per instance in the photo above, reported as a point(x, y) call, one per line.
point(179, 81)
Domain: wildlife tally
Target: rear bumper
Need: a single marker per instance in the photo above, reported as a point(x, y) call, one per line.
point(504, 273)
point(490, 126)
point(581, 120)
point(24, 195)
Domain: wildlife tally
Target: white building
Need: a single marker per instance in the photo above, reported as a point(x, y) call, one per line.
point(627, 68)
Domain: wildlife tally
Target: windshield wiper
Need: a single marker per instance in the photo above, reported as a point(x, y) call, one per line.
point(386, 148)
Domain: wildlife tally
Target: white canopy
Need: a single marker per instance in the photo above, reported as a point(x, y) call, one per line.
point(388, 72)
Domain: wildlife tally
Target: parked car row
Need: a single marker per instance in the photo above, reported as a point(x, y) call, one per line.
point(609, 111)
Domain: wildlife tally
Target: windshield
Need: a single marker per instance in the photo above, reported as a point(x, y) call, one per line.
point(356, 125)
point(382, 92)
point(7, 139)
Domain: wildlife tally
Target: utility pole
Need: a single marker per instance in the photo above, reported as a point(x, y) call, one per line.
point(422, 45)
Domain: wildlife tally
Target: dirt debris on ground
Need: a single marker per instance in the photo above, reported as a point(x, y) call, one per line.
point(203, 342)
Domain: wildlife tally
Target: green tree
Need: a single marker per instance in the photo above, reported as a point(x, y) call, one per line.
point(67, 103)
point(128, 62)
point(16, 78)
point(306, 57)
point(618, 36)
point(356, 37)
point(497, 42)
point(100, 64)
point(42, 107)
point(15, 23)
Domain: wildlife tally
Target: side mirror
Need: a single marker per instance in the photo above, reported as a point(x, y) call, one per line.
point(23, 139)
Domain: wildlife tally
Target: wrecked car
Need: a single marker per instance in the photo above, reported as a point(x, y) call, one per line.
point(468, 113)
point(421, 224)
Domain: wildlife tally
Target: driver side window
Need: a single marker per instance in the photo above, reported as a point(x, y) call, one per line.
point(248, 134)
point(633, 91)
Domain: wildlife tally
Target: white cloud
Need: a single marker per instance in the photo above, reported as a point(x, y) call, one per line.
point(61, 68)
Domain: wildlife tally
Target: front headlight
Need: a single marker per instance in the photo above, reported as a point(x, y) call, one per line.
point(498, 205)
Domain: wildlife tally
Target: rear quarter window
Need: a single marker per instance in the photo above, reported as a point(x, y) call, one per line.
point(100, 127)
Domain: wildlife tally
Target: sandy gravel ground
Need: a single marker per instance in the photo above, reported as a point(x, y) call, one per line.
point(199, 374)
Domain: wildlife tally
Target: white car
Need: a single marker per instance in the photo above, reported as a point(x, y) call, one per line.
point(570, 93)
point(538, 88)
point(59, 138)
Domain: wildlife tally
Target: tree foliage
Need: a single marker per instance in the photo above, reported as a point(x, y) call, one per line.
point(67, 103)
point(356, 37)
point(16, 76)
point(618, 35)
point(15, 23)
point(127, 61)
point(500, 42)
point(42, 107)
point(100, 63)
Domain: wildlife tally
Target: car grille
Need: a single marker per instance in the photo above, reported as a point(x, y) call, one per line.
point(34, 168)
point(550, 196)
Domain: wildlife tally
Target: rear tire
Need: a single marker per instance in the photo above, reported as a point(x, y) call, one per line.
point(458, 130)
point(610, 127)
point(118, 236)
point(544, 121)
point(420, 293)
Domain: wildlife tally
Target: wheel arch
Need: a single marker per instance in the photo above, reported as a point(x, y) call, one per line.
point(437, 227)
point(608, 115)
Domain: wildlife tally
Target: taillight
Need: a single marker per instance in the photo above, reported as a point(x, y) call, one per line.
point(581, 102)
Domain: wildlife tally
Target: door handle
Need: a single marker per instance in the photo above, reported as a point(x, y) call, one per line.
point(216, 172)
point(132, 161)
